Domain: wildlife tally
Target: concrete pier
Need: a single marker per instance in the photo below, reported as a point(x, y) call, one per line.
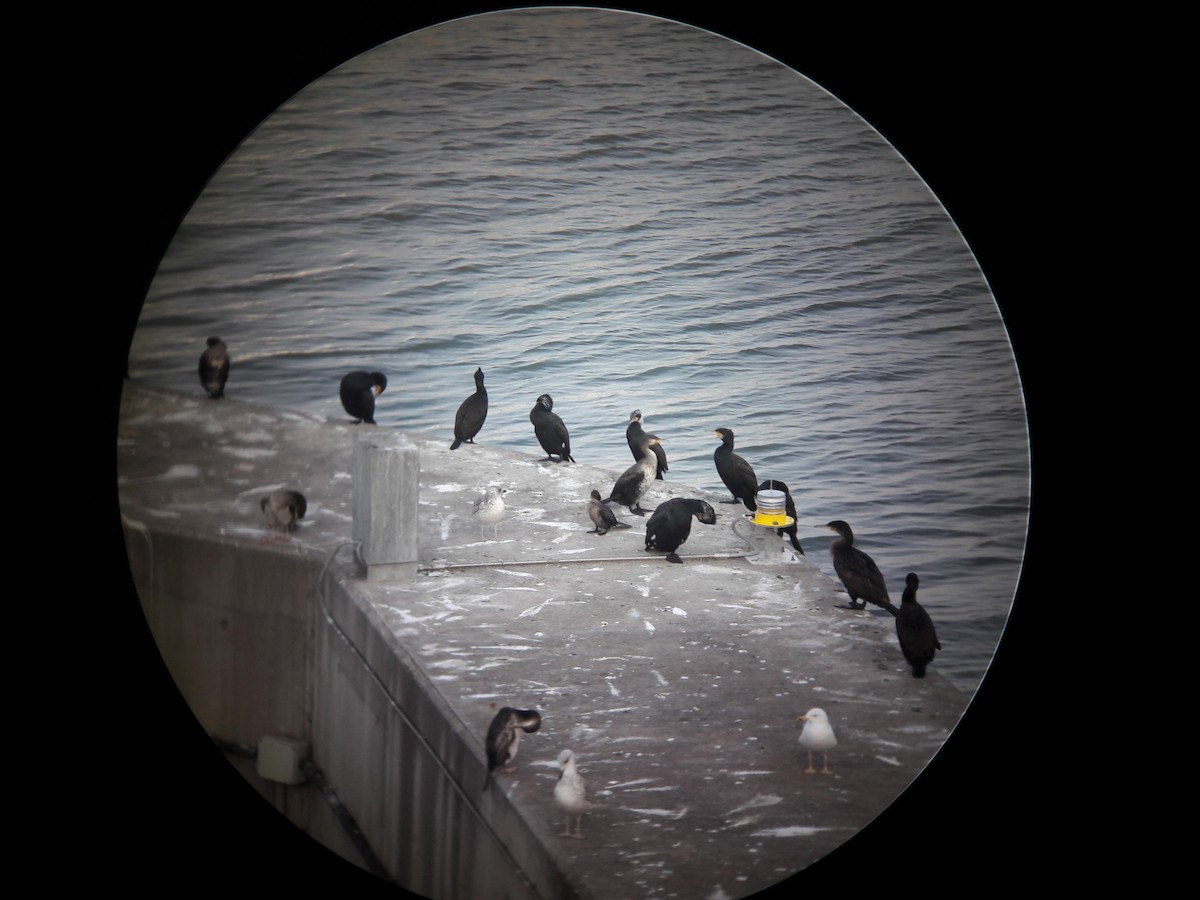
point(677, 686)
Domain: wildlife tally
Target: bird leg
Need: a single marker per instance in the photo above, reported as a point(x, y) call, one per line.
point(825, 764)
point(810, 770)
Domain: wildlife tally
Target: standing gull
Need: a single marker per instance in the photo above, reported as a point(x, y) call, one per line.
point(602, 517)
point(671, 524)
point(636, 480)
point(735, 472)
point(571, 793)
point(358, 391)
point(550, 430)
point(282, 509)
point(214, 368)
point(471, 414)
point(504, 737)
point(857, 571)
point(817, 734)
point(914, 629)
point(635, 436)
point(488, 508)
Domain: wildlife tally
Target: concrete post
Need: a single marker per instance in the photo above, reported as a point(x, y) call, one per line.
point(387, 473)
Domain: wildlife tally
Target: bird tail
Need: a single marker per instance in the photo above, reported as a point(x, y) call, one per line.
point(457, 443)
point(487, 779)
point(918, 670)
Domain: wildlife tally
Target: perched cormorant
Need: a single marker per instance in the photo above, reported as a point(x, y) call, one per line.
point(504, 737)
point(488, 508)
point(214, 368)
point(636, 480)
point(358, 391)
point(671, 524)
point(471, 414)
point(635, 435)
point(817, 734)
point(550, 430)
point(602, 517)
point(571, 793)
point(735, 472)
point(914, 628)
point(283, 508)
point(789, 507)
point(857, 571)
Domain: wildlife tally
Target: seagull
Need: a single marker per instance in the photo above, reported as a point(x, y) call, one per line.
point(489, 508)
point(817, 734)
point(504, 737)
point(282, 509)
point(571, 794)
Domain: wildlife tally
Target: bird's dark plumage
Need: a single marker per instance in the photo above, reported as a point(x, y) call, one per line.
point(914, 628)
point(283, 509)
point(214, 368)
point(671, 524)
point(471, 414)
point(789, 507)
point(602, 517)
point(735, 472)
point(550, 430)
point(358, 391)
point(504, 736)
point(636, 435)
point(857, 571)
point(636, 480)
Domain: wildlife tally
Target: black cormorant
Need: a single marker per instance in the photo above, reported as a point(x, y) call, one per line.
point(636, 480)
point(857, 571)
point(471, 414)
point(214, 368)
point(671, 524)
point(914, 628)
point(602, 517)
point(789, 508)
point(550, 430)
point(504, 737)
point(358, 391)
point(737, 474)
point(635, 435)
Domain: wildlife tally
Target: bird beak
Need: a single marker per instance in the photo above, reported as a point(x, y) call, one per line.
point(378, 390)
point(802, 719)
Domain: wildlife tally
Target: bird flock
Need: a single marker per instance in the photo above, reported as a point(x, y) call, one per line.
point(667, 528)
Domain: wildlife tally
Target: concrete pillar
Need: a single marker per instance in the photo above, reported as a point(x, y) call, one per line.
point(387, 473)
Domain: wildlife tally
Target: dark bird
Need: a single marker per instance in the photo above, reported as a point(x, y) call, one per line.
point(602, 517)
point(857, 571)
point(789, 507)
point(214, 368)
point(636, 480)
point(550, 430)
point(283, 509)
point(671, 524)
point(737, 474)
point(914, 628)
point(504, 737)
point(471, 414)
point(635, 435)
point(359, 390)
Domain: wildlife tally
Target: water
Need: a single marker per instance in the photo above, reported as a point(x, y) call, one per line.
point(626, 213)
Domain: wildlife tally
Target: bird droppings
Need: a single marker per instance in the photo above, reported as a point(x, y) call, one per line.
point(791, 831)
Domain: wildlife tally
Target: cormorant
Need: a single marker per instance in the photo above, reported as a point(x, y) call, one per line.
point(635, 435)
point(358, 391)
point(283, 509)
point(735, 472)
point(602, 517)
point(671, 524)
point(471, 414)
point(857, 571)
point(551, 432)
point(789, 507)
point(914, 628)
point(214, 368)
point(636, 480)
point(818, 735)
point(571, 793)
point(504, 737)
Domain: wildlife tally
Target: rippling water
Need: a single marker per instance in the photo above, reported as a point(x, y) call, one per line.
point(625, 212)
